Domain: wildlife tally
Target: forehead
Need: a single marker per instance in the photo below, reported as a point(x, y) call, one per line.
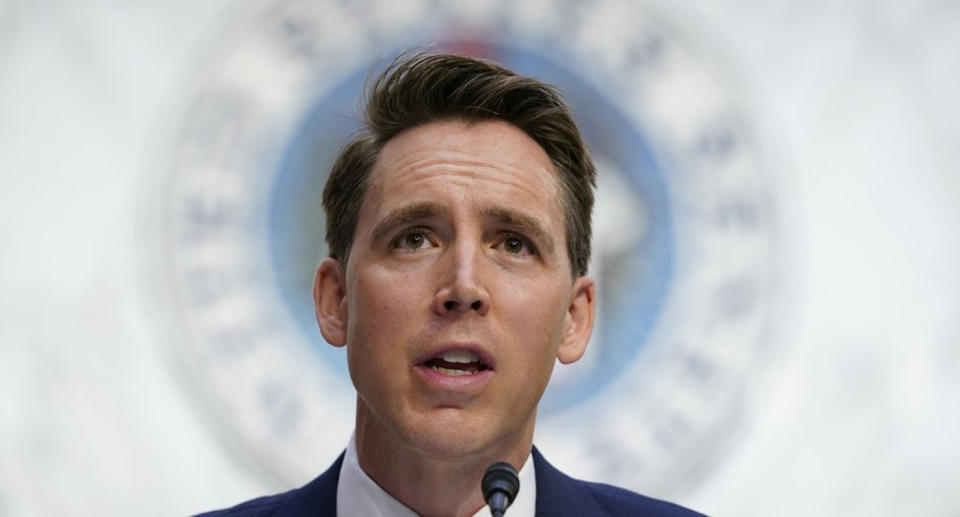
point(475, 161)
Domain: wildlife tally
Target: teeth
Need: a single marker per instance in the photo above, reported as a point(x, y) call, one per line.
point(459, 356)
point(450, 371)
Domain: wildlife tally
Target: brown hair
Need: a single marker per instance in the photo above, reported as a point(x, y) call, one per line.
point(421, 88)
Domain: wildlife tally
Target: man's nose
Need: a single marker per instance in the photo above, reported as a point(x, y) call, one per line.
point(462, 288)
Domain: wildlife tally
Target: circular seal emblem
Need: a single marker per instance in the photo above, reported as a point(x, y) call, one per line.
point(684, 232)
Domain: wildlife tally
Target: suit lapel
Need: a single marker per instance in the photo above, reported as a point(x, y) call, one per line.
point(317, 498)
point(560, 495)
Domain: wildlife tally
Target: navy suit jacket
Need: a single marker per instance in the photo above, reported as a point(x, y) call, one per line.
point(558, 495)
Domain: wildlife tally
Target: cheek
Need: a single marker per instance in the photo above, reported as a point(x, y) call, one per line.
point(378, 298)
point(373, 332)
point(536, 312)
point(381, 306)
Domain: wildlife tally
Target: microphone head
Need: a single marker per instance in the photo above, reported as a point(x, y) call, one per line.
point(500, 478)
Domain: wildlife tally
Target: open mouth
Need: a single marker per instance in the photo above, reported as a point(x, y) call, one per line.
point(457, 362)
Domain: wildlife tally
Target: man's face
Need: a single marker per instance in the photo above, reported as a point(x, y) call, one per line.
point(458, 296)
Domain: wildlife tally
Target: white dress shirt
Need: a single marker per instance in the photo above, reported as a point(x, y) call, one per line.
point(360, 496)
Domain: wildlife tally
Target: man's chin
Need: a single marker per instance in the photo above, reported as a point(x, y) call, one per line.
point(447, 441)
point(453, 436)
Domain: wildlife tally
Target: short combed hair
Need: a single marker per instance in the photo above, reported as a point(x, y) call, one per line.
point(417, 89)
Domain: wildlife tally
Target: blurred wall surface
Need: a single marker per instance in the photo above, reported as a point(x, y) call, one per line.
point(777, 241)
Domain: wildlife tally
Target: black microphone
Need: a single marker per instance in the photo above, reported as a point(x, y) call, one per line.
point(500, 486)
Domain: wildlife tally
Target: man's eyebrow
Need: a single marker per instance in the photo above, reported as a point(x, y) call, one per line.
point(405, 215)
point(526, 224)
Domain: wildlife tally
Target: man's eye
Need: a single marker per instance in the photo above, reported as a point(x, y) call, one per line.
point(413, 240)
point(517, 245)
point(513, 245)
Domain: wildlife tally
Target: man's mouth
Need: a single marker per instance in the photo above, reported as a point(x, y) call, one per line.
point(457, 362)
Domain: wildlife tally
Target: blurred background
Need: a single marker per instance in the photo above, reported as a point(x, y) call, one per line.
point(777, 241)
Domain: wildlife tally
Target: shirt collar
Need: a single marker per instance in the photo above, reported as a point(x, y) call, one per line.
point(360, 496)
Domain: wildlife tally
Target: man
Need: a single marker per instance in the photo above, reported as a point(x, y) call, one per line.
point(459, 231)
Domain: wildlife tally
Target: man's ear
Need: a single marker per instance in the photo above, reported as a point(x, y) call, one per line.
point(578, 323)
point(330, 301)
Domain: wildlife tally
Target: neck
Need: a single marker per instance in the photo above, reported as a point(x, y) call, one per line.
point(429, 478)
